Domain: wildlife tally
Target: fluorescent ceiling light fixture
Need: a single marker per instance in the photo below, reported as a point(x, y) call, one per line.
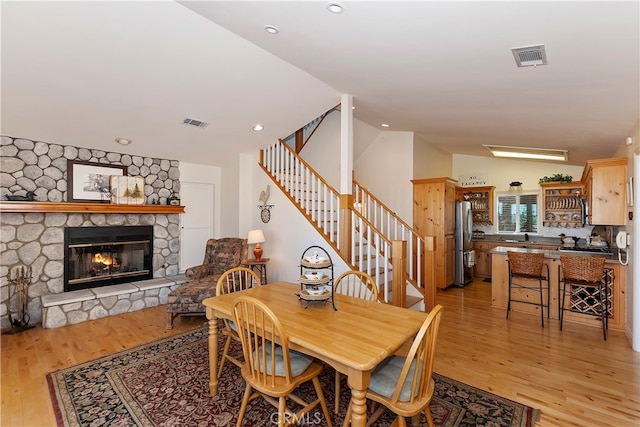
point(335, 7)
point(271, 29)
point(258, 127)
point(384, 125)
point(528, 153)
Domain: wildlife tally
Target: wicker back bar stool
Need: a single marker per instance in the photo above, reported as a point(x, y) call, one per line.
point(525, 267)
point(585, 280)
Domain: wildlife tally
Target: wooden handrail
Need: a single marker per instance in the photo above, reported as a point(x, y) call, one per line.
point(394, 228)
point(299, 135)
point(308, 166)
point(381, 203)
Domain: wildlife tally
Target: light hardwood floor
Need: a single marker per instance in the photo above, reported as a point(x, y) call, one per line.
point(573, 376)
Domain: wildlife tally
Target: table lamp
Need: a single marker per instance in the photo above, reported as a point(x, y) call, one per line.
point(256, 237)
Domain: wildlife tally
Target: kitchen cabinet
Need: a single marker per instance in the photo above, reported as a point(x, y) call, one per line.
point(605, 190)
point(434, 215)
point(562, 204)
point(481, 199)
point(483, 258)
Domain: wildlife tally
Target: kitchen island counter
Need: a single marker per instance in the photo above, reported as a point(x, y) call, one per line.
point(500, 287)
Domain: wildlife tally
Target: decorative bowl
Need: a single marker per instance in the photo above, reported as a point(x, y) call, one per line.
point(316, 290)
point(313, 276)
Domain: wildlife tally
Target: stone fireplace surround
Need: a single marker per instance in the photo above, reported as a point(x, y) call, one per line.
point(36, 238)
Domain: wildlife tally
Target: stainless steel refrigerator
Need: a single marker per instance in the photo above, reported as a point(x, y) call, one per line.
point(465, 255)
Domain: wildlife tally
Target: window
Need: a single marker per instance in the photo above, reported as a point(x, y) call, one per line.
point(518, 213)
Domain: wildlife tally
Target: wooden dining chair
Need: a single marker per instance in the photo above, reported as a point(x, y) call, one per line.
point(232, 280)
point(356, 284)
point(404, 384)
point(271, 369)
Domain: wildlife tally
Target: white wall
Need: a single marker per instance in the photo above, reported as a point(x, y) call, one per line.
point(363, 136)
point(230, 176)
point(287, 234)
point(500, 172)
point(429, 161)
point(322, 152)
point(386, 169)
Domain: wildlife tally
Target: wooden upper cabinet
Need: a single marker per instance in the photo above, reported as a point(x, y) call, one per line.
point(449, 208)
point(605, 188)
point(481, 199)
point(562, 204)
point(434, 215)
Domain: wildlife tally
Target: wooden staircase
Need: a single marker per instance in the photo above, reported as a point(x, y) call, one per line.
point(394, 261)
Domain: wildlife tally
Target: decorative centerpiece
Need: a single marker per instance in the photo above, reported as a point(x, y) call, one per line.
point(557, 177)
point(316, 276)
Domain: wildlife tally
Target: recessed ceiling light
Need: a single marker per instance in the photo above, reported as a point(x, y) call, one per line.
point(123, 141)
point(271, 29)
point(528, 153)
point(258, 127)
point(335, 7)
point(384, 125)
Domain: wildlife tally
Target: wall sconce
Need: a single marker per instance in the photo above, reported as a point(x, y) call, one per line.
point(628, 141)
point(515, 186)
point(256, 237)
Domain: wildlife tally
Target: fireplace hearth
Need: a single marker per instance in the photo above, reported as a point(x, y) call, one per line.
point(103, 256)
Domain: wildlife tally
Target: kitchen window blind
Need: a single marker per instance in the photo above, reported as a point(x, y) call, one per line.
point(518, 213)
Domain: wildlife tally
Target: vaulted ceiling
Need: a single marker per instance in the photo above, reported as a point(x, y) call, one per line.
point(85, 73)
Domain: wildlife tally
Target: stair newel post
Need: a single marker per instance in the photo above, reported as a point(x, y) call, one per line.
point(429, 265)
point(399, 267)
point(346, 201)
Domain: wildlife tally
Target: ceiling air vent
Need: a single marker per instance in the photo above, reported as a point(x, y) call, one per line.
point(196, 123)
point(530, 56)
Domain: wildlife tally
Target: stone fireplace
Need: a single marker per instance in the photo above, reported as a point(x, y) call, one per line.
point(102, 256)
point(34, 236)
point(37, 239)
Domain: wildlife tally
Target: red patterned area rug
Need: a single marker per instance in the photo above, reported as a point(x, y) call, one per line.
point(166, 383)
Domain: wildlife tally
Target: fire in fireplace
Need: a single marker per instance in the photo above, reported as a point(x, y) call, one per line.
point(101, 256)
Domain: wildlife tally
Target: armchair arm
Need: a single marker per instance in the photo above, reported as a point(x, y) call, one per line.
point(194, 272)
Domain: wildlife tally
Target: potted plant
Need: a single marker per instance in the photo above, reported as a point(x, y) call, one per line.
point(556, 177)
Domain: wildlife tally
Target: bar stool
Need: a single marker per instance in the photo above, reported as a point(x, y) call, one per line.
point(526, 266)
point(588, 284)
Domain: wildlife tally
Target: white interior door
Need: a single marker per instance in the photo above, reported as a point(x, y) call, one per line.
point(196, 223)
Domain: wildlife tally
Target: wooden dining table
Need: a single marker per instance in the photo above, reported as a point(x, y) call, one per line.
point(353, 339)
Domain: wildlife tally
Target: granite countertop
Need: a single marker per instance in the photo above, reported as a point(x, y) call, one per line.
point(553, 253)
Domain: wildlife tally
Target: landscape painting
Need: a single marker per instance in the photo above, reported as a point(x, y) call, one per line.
point(127, 190)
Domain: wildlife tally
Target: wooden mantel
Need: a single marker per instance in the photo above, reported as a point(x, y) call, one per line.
point(27, 207)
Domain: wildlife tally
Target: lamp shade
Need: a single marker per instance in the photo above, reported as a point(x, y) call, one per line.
point(255, 236)
point(515, 186)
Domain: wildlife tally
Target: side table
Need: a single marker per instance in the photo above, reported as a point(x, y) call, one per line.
point(259, 266)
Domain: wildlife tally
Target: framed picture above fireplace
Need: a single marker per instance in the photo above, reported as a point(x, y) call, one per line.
point(90, 182)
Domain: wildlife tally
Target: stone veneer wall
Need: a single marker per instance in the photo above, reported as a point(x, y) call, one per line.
point(37, 239)
point(40, 167)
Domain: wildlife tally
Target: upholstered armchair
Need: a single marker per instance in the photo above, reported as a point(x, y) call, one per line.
point(220, 256)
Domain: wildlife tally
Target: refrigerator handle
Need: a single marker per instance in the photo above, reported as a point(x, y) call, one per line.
point(470, 226)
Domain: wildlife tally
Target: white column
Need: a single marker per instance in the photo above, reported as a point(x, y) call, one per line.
point(346, 143)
